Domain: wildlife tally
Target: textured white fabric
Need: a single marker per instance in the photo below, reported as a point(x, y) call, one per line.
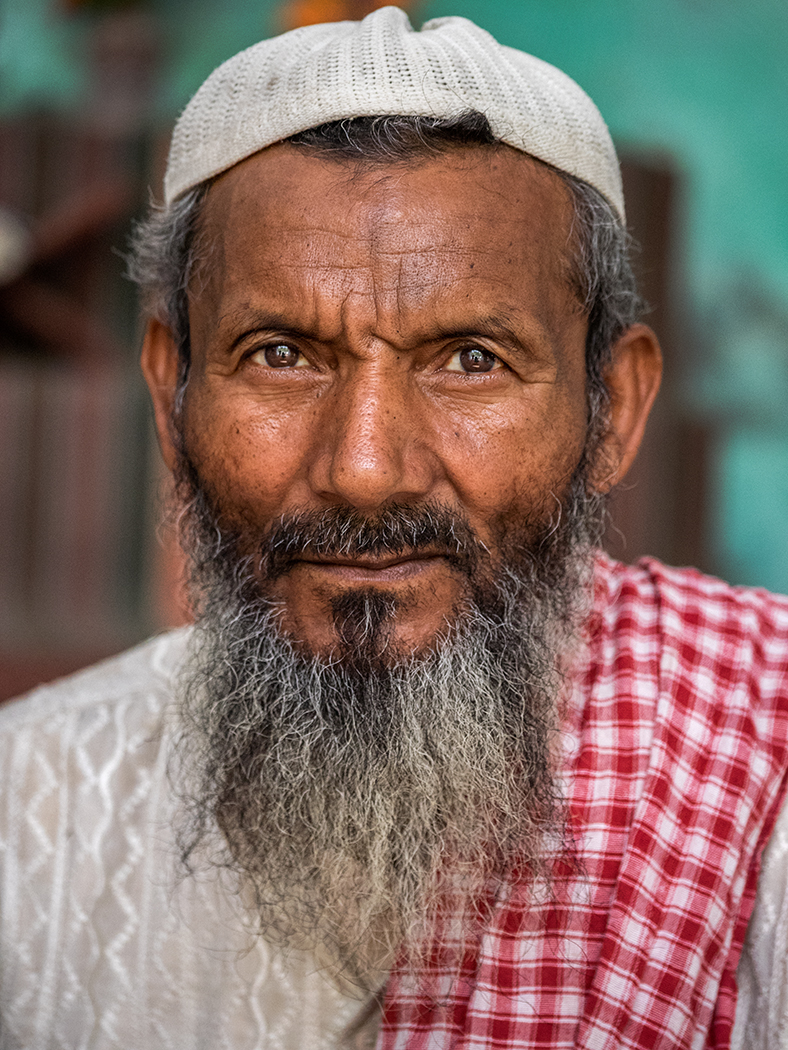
point(101, 946)
point(762, 1013)
point(382, 66)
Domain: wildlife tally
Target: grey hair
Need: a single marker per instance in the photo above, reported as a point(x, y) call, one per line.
point(605, 285)
point(165, 246)
point(161, 260)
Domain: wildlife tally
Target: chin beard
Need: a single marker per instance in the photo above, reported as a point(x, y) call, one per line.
point(372, 807)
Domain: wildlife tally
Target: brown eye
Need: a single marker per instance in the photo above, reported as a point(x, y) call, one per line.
point(477, 359)
point(280, 355)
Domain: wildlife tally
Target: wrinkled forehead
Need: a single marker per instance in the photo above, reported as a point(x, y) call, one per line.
point(287, 207)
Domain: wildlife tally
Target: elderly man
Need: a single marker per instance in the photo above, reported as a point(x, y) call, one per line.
point(429, 769)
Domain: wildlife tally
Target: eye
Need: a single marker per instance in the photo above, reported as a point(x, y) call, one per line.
point(473, 358)
point(280, 355)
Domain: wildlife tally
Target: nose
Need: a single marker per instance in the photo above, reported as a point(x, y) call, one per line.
point(374, 448)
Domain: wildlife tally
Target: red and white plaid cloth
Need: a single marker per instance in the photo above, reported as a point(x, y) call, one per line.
point(676, 755)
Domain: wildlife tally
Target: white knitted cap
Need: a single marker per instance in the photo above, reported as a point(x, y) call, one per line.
point(382, 66)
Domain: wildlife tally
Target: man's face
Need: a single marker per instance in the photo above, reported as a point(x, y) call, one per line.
point(377, 336)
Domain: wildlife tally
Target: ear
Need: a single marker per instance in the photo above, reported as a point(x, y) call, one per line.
point(159, 361)
point(633, 380)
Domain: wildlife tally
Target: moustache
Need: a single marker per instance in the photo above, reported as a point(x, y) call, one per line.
point(343, 532)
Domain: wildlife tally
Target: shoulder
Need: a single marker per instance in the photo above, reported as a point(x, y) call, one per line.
point(699, 655)
point(94, 719)
point(684, 589)
point(147, 670)
point(693, 613)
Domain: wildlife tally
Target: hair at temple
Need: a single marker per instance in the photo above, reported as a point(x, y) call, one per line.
point(165, 247)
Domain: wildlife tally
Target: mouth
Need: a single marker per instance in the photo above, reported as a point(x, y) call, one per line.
point(368, 569)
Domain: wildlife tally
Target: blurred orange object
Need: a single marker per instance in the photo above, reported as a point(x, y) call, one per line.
point(296, 13)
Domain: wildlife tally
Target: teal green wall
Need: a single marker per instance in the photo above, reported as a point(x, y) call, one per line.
point(704, 82)
point(40, 56)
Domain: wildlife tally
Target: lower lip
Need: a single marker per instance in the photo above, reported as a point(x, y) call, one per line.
point(403, 570)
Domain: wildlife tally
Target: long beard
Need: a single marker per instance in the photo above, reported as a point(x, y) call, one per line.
point(373, 808)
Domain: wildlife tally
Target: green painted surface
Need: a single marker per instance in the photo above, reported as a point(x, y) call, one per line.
point(752, 507)
point(40, 56)
point(703, 81)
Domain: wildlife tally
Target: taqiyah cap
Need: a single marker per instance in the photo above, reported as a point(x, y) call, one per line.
point(382, 66)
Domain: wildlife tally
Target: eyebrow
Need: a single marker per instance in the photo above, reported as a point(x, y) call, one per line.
point(491, 326)
point(522, 340)
point(257, 321)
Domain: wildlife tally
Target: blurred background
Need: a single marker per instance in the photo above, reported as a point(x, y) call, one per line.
point(696, 95)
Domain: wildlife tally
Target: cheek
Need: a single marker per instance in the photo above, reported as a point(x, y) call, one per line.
point(249, 460)
point(518, 461)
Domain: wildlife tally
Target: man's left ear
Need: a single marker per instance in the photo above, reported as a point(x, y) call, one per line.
point(633, 379)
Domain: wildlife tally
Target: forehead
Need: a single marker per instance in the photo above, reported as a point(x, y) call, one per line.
point(472, 225)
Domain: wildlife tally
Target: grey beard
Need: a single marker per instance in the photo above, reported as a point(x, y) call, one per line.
point(372, 810)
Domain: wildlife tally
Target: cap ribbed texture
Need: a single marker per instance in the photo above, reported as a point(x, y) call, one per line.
point(382, 66)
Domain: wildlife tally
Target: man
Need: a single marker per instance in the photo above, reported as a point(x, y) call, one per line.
point(429, 769)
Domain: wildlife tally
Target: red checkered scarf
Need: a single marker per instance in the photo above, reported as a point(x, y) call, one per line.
point(675, 761)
